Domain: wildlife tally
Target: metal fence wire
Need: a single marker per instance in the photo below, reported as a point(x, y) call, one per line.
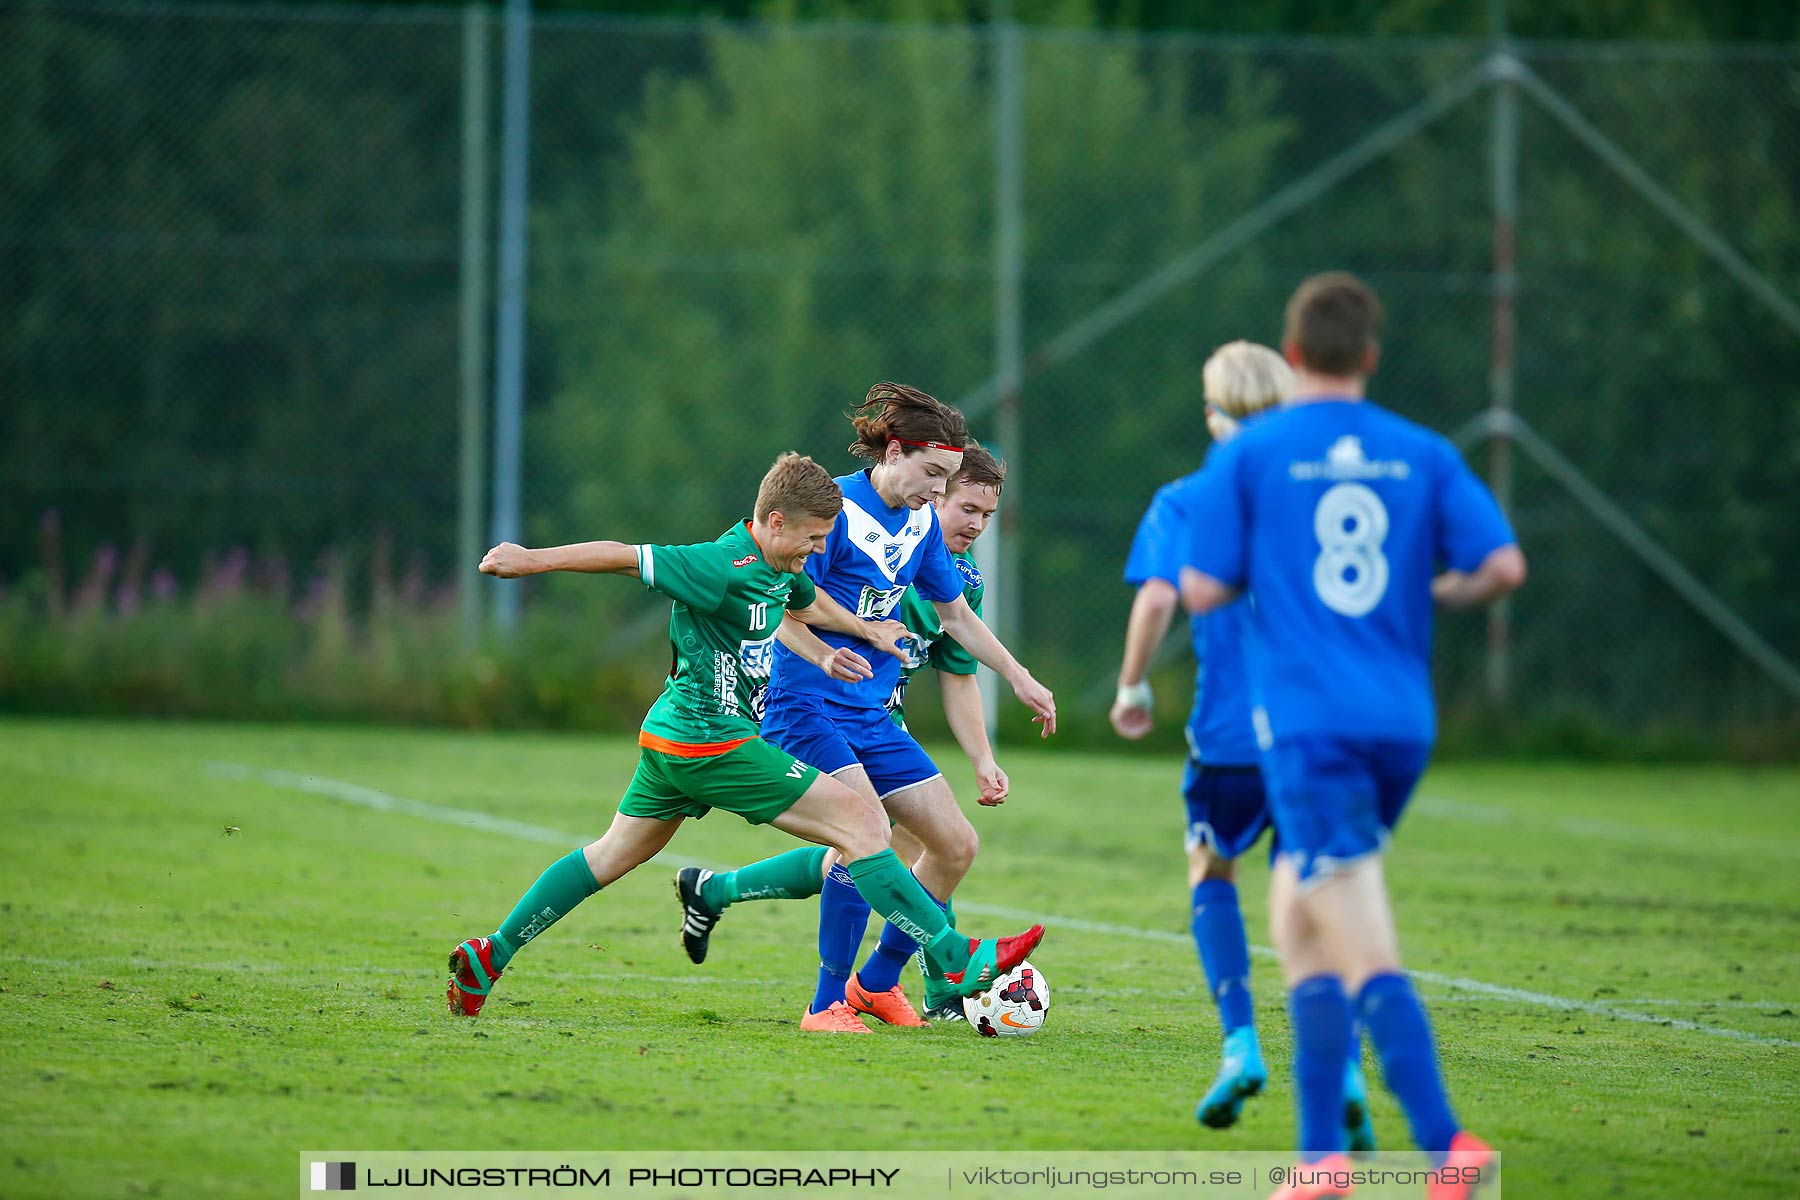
point(248, 255)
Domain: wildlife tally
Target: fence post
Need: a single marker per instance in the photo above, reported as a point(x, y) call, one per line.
point(1501, 368)
point(471, 345)
point(999, 546)
point(509, 319)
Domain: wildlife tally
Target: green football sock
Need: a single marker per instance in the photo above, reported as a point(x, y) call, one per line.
point(567, 882)
point(892, 891)
point(934, 978)
point(795, 875)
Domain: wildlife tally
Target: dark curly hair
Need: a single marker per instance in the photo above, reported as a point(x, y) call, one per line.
point(895, 412)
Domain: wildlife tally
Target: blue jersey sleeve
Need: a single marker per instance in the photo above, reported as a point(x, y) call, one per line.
point(1157, 548)
point(1217, 534)
point(1470, 523)
point(938, 579)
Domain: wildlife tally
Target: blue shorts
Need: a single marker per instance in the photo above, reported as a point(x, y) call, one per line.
point(1335, 800)
point(1226, 809)
point(832, 736)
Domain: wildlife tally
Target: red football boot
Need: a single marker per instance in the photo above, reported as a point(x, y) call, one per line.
point(990, 958)
point(472, 975)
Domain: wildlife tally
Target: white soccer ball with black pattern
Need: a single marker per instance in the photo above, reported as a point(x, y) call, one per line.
point(1015, 1006)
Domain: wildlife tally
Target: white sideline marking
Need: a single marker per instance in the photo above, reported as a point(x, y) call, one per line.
point(486, 823)
point(368, 797)
point(1670, 1002)
point(1607, 831)
point(132, 962)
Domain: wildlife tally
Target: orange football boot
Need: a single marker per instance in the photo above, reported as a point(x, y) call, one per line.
point(837, 1019)
point(890, 1007)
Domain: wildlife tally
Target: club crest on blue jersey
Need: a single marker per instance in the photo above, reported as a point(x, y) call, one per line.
point(874, 552)
point(889, 550)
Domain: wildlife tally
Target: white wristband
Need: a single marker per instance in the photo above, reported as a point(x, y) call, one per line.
point(1135, 695)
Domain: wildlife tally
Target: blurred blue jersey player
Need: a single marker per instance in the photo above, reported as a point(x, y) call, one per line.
point(1335, 515)
point(887, 539)
point(1222, 785)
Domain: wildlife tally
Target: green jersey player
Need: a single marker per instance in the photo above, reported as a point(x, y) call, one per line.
point(700, 748)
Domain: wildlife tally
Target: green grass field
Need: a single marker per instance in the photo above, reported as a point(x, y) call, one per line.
point(1611, 954)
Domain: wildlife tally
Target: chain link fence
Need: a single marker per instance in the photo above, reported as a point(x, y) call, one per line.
point(232, 260)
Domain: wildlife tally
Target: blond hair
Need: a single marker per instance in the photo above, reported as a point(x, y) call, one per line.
point(796, 487)
point(1243, 378)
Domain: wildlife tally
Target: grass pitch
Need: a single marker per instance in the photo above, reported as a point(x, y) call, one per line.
point(226, 944)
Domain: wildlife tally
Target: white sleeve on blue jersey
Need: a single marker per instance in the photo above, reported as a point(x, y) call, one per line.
point(1216, 512)
point(1470, 524)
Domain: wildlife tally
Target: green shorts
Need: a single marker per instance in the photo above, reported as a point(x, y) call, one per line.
point(756, 781)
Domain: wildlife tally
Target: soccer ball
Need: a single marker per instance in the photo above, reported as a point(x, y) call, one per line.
point(1013, 1007)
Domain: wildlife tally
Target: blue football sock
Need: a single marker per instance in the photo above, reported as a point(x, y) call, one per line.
point(1218, 927)
point(1323, 1037)
point(1396, 1023)
point(843, 918)
point(882, 971)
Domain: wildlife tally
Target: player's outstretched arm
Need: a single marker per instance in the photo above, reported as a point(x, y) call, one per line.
point(1151, 611)
point(962, 709)
point(826, 613)
point(961, 623)
point(510, 561)
point(1502, 571)
point(839, 662)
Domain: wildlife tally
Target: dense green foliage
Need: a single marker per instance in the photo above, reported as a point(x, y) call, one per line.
point(186, 1008)
point(237, 648)
point(1673, 20)
point(229, 250)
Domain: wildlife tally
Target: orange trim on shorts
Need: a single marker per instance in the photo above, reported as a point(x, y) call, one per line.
point(662, 745)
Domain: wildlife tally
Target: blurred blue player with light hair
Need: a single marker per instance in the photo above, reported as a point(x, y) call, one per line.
point(1345, 524)
point(1226, 809)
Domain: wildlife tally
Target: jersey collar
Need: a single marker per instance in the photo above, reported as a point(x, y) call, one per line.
point(749, 528)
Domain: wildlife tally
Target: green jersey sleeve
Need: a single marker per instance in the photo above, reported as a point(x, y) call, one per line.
point(697, 576)
point(804, 592)
point(947, 654)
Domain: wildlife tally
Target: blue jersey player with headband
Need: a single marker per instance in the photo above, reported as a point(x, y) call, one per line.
point(1345, 524)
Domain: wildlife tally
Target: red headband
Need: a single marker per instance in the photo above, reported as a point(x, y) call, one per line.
point(930, 445)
